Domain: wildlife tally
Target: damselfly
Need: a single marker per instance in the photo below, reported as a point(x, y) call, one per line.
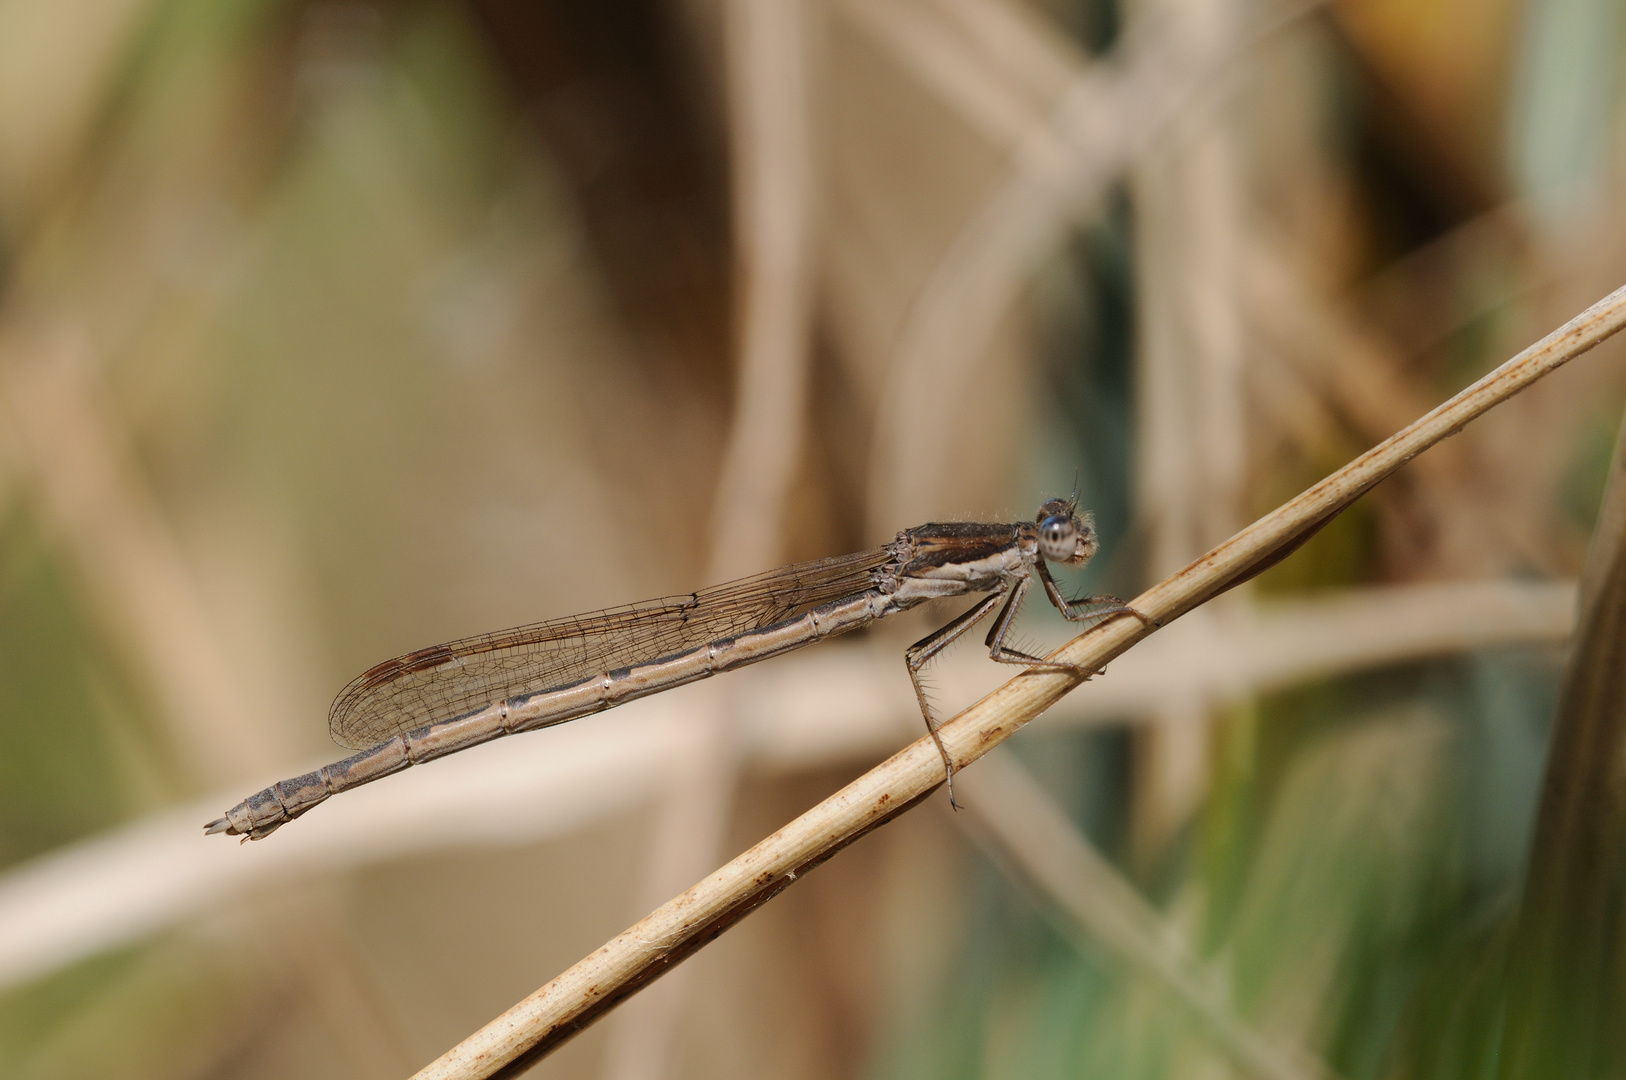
point(437, 701)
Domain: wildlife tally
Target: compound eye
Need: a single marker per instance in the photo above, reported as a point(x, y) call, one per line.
point(1056, 538)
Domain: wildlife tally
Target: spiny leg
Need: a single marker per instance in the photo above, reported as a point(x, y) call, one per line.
point(916, 656)
point(1070, 608)
point(998, 650)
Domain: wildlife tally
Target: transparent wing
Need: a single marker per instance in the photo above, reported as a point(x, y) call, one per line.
point(437, 684)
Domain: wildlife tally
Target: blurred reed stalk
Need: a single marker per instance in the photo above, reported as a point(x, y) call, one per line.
point(586, 992)
point(1566, 977)
point(1191, 410)
point(110, 520)
point(1023, 829)
point(770, 136)
point(1062, 159)
point(844, 704)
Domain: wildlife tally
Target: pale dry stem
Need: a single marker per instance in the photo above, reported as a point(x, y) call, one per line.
point(581, 995)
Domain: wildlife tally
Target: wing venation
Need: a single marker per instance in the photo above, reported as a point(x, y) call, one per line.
point(446, 681)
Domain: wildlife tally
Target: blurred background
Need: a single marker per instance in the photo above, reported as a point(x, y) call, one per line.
point(329, 330)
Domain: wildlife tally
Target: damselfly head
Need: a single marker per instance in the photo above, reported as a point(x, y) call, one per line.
point(1065, 535)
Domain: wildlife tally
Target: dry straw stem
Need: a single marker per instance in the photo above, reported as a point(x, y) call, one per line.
point(642, 953)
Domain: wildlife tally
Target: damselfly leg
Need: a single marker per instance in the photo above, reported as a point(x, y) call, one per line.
point(916, 657)
point(921, 652)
